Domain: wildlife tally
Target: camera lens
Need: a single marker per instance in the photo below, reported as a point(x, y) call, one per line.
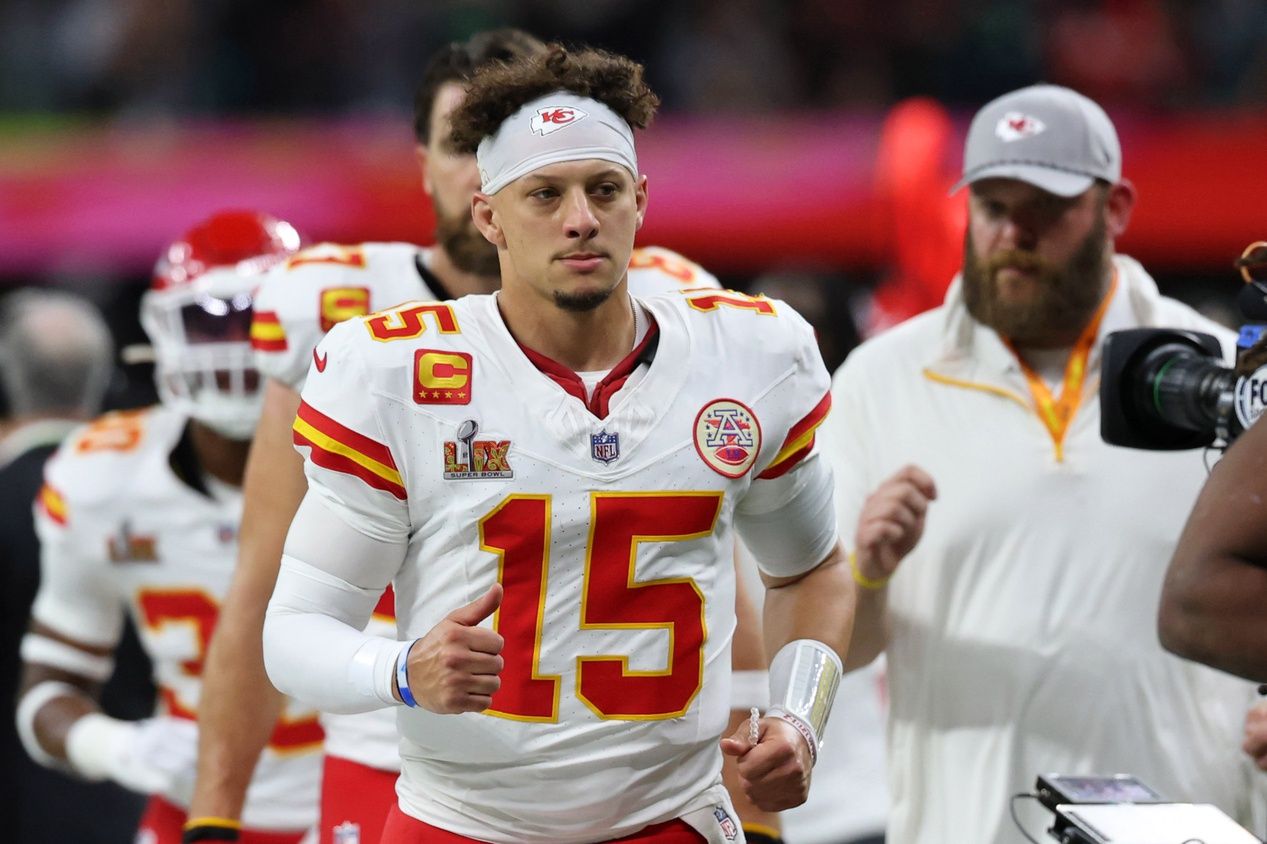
point(1182, 388)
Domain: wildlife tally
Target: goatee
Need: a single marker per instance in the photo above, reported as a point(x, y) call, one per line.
point(581, 302)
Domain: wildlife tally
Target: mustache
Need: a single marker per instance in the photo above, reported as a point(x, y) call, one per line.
point(1019, 259)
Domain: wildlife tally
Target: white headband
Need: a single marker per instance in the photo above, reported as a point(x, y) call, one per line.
point(551, 129)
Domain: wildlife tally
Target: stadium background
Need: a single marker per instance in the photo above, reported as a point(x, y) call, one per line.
point(804, 147)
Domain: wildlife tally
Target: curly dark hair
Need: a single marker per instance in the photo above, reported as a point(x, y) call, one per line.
point(497, 91)
point(458, 60)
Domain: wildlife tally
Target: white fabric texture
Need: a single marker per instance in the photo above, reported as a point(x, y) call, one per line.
point(551, 129)
point(315, 647)
point(1022, 628)
point(474, 512)
point(151, 756)
point(43, 650)
point(788, 523)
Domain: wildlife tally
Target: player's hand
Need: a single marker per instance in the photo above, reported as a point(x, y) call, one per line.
point(1256, 735)
point(153, 755)
point(775, 772)
point(892, 522)
point(454, 667)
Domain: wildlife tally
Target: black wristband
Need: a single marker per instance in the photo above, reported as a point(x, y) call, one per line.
point(755, 837)
point(208, 832)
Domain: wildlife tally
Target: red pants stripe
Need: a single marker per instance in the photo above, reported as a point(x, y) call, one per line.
point(355, 800)
point(164, 823)
point(402, 829)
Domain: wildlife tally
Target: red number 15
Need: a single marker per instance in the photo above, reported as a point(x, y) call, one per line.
point(518, 531)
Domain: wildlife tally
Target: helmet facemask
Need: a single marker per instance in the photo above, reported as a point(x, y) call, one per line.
point(203, 362)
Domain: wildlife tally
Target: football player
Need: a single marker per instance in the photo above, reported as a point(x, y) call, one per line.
point(139, 514)
point(298, 303)
point(549, 478)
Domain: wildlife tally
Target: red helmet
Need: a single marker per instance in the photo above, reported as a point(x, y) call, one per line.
point(197, 314)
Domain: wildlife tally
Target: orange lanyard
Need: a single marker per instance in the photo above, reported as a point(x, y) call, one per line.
point(1057, 414)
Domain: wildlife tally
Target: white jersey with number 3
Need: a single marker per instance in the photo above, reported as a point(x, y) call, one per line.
point(120, 532)
point(608, 521)
point(328, 283)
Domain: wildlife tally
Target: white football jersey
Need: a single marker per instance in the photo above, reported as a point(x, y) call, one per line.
point(608, 522)
point(322, 286)
point(121, 532)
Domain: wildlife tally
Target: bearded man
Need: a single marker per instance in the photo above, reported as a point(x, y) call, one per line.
point(1009, 562)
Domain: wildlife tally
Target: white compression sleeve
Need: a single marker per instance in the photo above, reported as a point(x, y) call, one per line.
point(314, 647)
point(789, 523)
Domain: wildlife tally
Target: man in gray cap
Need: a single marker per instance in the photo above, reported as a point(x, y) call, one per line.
point(1006, 559)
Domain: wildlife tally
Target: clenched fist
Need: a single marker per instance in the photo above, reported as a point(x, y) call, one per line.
point(454, 667)
point(892, 522)
point(774, 772)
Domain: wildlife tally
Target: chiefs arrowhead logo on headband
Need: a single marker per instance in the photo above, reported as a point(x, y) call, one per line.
point(1013, 126)
point(594, 132)
point(553, 118)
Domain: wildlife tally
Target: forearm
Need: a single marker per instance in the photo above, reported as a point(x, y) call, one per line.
point(239, 707)
point(819, 605)
point(238, 711)
point(1215, 612)
point(314, 648)
point(1215, 592)
point(870, 626)
point(50, 704)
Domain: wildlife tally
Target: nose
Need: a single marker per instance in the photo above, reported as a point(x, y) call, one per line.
point(579, 220)
point(1017, 233)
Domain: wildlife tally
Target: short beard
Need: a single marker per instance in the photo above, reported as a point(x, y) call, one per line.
point(581, 302)
point(1066, 299)
point(469, 250)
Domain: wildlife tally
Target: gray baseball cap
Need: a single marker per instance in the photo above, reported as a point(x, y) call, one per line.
point(1051, 137)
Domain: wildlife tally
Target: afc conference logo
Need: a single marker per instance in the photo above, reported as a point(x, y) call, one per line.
point(727, 437)
point(553, 118)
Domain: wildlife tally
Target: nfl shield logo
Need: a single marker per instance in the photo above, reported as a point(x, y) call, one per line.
point(728, 826)
point(604, 447)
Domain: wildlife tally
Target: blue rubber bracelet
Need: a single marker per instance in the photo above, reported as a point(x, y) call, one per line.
point(402, 675)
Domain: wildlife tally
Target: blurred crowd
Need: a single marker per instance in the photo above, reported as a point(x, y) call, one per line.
point(182, 57)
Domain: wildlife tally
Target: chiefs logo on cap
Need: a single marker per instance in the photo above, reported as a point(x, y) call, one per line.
point(553, 118)
point(727, 437)
point(442, 377)
point(1014, 125)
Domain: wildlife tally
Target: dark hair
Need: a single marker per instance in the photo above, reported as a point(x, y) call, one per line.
point(497, 91)
point(458, 60)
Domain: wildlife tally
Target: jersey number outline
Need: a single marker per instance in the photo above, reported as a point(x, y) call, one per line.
point(711, 300)
point(405, 322)
point(674, 266)
point(121, 430)
point(196, 608)
point(518, 531)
